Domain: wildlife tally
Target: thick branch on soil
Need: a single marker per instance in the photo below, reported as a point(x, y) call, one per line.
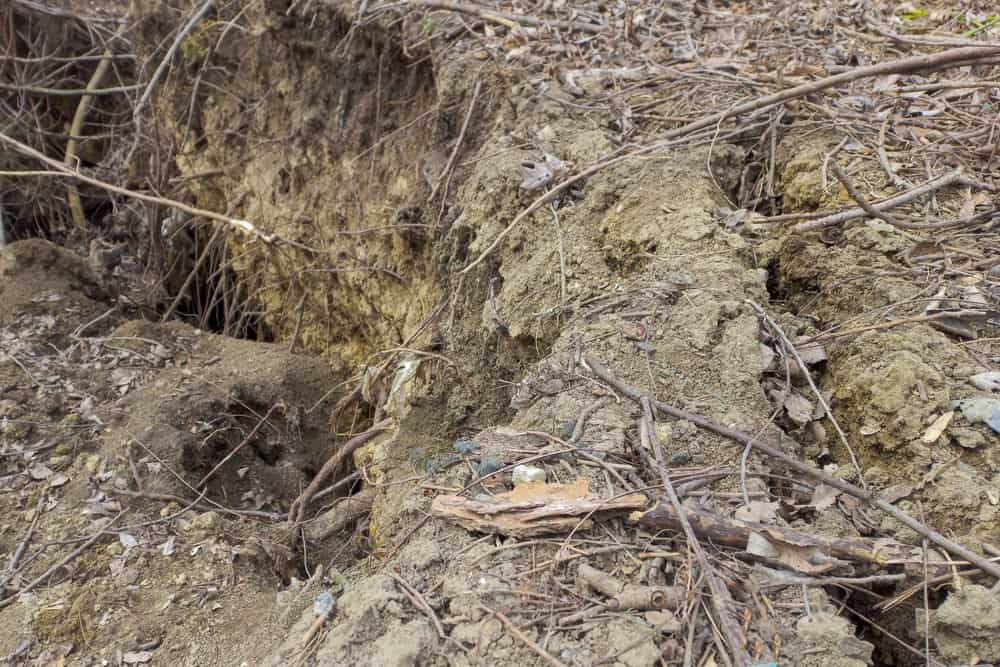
point(533, 509)
point(718, 529)
point(952, 547)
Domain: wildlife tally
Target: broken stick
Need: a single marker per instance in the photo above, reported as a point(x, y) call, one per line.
point(718, 529)
point(954, 548)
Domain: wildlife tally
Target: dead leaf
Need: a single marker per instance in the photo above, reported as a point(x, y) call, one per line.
point(58, 480)
point(799, 408)
point(39, 471)
point(758, 511)
point(805, 558)
point(540, 174)
point(824, 497)
point(633, 330)
point(811, 353)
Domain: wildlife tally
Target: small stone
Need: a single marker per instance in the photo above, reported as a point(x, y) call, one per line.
point(169, 508)
point(464, 447)
point(679, 459)
point(526, 474)
point(39, 471)
point(566, 429)
point(488, 466)
point(324, 604)
point(989, 381)
point(730, 309)
point(92, 464)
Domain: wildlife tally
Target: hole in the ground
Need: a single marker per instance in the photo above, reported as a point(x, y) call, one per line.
point(208, 294)
point(892, 632)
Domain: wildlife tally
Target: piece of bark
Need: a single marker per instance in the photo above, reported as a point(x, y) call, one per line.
point(533, 509)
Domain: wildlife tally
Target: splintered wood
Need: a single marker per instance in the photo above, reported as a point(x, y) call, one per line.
point(534, 509)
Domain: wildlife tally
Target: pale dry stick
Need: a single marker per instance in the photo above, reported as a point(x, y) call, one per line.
point(581, 421)
point(296, 512)
point(861, 201)
point(951, 178)
point(790, 348)
point(458, 142)
point(34, 583)
point(76, 129)
point(78, 332)
point(912, 64)
point(15, 557)
point(601, 371)
point(832, 155)
point(524, 639)
point(852, 213)
point(418, 601)
point(237, 448)
point(721, 600)
point(949, 314)
point(242, 225)
point(784, 578)
point(70, 92)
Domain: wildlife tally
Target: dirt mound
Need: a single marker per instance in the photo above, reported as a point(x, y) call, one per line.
point(36, 273)
point(250, 414)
